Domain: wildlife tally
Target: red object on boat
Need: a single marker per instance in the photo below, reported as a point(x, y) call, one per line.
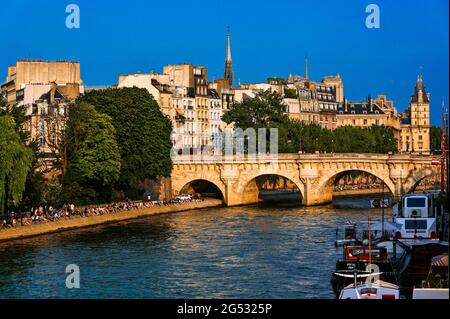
point(435, 162)
point(355, 253)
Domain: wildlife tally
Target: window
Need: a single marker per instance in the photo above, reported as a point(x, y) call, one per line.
point(420, 137)
point(415, 202)
point(365, 121)
point(415, 224)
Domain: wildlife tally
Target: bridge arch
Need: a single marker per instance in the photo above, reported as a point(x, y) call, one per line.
point(416, 176)
point(253, 185)
point(320, 190)
point(198, 185)
point(202, 186)
point(337, 174)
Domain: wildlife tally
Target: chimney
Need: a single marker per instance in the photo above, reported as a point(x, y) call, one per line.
point(369, 98)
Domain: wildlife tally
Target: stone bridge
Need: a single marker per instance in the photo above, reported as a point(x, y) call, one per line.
point(313, 174)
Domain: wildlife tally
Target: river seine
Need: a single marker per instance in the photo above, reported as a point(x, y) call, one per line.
point(239, 252)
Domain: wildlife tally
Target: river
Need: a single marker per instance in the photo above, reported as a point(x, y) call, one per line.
point(239, 252)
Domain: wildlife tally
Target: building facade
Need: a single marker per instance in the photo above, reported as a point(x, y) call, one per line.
point(415, 122)
point(45, 89)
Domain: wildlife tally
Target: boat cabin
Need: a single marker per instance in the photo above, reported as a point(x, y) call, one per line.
point(361, 253)
point(415, 212)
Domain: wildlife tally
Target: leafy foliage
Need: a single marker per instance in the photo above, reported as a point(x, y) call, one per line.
point(290, 93)
point(142, 133)
point(15, 163)
point(267, 110)
point(92, 153)
point(261, 111)
point(435, 138)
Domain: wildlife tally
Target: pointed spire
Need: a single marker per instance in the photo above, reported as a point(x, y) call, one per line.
point(228, 74)
point(306, 68)
point(228, 47)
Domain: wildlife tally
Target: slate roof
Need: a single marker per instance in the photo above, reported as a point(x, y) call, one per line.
point(360, 108)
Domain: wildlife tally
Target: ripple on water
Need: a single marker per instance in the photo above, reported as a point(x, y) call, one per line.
point(239, 252)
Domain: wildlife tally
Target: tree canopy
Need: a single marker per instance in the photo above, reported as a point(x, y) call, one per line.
point(15, 163)
point(142, 132)
point(435, 138)
point(262, 111)
point(92, 154)
point(268, 110)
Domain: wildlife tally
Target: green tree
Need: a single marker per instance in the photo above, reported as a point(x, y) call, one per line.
point(142, 133)
point(15, 163)
point(92, 154)
point(435, 138)
point(290, 93)
point(2, 106)
point(262, 111)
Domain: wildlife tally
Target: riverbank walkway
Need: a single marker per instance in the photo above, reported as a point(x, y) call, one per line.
point(76, 222)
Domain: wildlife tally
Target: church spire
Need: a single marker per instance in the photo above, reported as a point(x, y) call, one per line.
point(306, 68)
point(228, 47)
point(228, 74)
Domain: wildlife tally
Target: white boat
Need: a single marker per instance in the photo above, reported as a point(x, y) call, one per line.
point(415, 213)
point(430, 293)
point(377, 289)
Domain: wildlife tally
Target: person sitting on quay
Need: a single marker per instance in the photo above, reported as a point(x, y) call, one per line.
point(45, 214)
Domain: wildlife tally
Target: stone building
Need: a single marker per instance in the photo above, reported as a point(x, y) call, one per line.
point(46, 89)
point(415, 122)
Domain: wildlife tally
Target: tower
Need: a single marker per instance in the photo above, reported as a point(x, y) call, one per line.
point(419, 109)
point(228, 74)
point(306, 68)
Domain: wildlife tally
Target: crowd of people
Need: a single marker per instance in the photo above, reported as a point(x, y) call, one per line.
point(45, 214)
point(338, 188)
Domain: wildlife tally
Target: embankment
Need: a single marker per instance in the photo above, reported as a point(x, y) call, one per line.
point(82, 222)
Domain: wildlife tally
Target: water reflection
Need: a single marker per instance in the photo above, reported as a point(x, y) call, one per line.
point(240, 252)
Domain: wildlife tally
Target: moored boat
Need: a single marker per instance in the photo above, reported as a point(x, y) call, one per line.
point(357, 260)
point(414, 266)
point(349, 237)
point(370, 290)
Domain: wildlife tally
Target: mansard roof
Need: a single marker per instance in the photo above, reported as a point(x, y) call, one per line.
point(360, 108)
point(213, 94)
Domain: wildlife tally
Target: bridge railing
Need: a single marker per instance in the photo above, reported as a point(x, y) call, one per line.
point(269, 158)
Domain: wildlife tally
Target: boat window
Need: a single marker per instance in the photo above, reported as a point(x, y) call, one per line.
point(415, 202)
point(415, 224)
point(368, 291)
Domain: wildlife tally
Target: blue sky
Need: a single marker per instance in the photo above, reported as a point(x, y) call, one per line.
point(269, 38)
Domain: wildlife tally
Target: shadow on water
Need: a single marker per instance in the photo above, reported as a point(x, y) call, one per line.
point(281, 199)
point(356, 201)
